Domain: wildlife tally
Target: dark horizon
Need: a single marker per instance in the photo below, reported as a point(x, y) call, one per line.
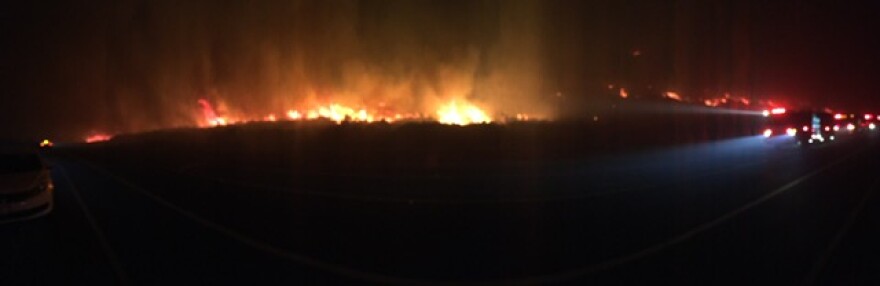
point(73, 67)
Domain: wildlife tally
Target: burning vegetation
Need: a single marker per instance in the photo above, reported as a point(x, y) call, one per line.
point(456, 112)
point(453, 62)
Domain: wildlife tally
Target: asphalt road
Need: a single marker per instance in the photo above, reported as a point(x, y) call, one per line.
point(738, 211)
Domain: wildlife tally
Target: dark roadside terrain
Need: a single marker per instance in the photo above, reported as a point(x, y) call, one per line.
point(653, 201)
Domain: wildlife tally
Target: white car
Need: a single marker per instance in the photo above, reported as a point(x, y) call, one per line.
point(25, 186)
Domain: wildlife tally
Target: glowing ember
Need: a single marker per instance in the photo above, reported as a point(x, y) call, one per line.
point(623, 93)
point(673, 95)
point(730, 100)
point(461, 113)
point(98, 138)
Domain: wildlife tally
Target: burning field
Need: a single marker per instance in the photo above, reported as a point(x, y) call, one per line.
point(452, 113)
point(455, 62)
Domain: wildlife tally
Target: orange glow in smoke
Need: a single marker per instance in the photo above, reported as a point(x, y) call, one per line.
point(98, 138)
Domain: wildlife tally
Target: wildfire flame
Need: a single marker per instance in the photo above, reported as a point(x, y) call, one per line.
point(461, 113)
point(210, 115)
point(455, 112)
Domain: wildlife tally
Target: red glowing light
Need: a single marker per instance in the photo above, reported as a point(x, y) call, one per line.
point(98, 138)
point(778, 110)
point(839, 116)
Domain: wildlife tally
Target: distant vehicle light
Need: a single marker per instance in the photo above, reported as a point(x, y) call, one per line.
point(872, 126)
point(778, 110)
point(827, 128)
point(765, 113)
point(878, 117)
point(810, 141)
point(831, 137)
point(850, 127)
point(768, 133)
point(868, 117)
point(836, 127)
point(791, 131)
point(839, 116)
point(805, 128)
point(46, 143)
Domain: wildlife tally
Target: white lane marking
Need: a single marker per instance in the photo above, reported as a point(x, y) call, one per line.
point(112, 259)
point(826, 256)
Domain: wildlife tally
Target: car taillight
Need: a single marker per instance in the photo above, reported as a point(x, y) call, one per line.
point(768, 132)
point(827, 128)
point(850, 127)
point(836, 127)
point(805, 128)
point(872, 126)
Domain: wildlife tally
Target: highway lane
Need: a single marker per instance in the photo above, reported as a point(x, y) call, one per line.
point(164, 226)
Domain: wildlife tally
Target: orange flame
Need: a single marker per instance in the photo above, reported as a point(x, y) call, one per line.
point(673, 95)
point(461, 113)
point(455, 112)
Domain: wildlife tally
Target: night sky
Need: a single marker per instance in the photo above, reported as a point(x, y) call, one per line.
point(73, 67)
